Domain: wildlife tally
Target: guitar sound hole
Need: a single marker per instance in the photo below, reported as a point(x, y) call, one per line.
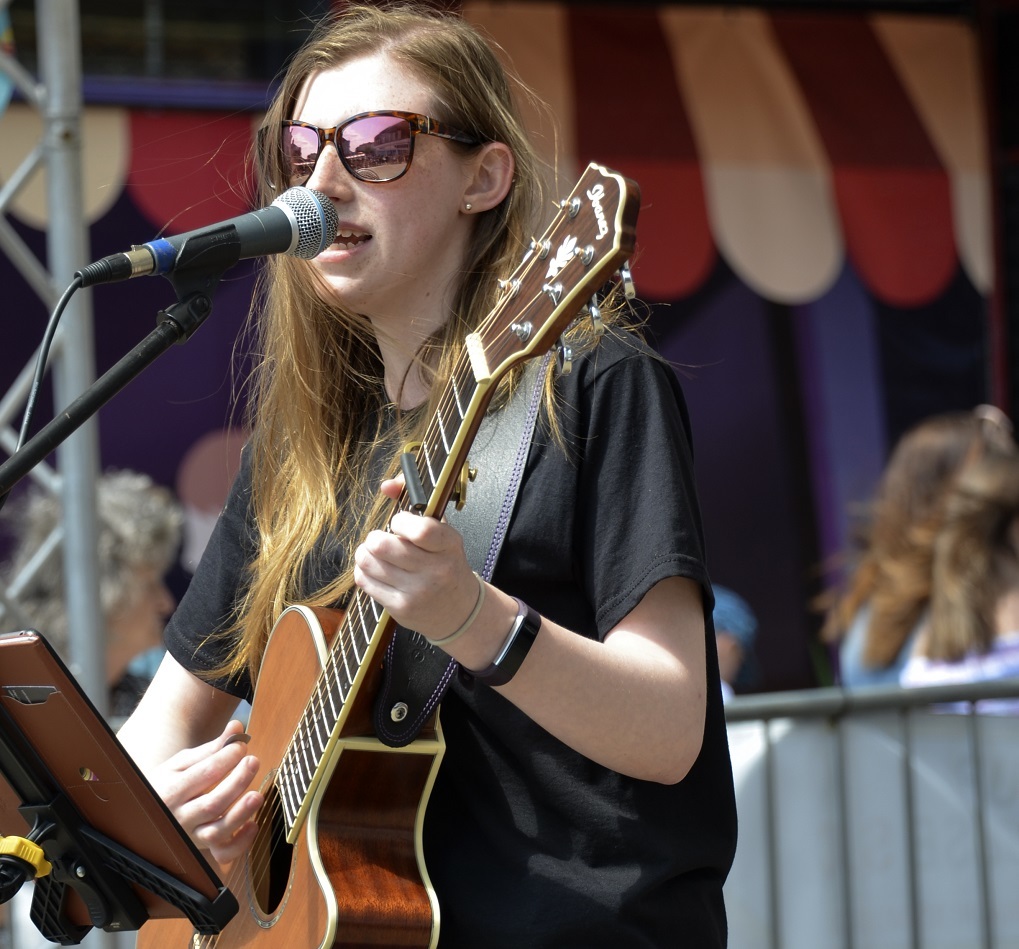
point(271, 857)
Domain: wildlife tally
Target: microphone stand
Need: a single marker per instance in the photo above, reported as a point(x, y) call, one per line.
point(200, 267)
point(80, 855)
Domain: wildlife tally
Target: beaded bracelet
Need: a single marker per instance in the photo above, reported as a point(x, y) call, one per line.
point(466, 625)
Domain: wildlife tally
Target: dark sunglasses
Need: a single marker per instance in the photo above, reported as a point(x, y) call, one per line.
point(373, 146)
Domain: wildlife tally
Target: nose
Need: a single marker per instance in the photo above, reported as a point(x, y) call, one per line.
point(329, 175)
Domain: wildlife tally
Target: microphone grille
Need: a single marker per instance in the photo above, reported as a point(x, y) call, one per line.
point(317, 222)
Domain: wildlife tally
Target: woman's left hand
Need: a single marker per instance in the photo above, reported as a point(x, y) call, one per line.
point(418, 571)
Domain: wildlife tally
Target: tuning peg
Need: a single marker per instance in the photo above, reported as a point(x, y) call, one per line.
point(594, 312)
point(564, 357)
point(541, 247)
point(629, 290)
point(554, 291)
point(572, 207)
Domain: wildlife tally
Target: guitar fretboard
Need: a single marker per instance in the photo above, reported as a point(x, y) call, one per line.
point(365, 619)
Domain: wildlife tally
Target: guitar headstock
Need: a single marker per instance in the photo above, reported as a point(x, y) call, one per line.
point(590, 237)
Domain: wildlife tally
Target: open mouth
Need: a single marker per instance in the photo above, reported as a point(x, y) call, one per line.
point(350, 239)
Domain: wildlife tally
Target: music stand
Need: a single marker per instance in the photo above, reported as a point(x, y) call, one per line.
point(118, 855)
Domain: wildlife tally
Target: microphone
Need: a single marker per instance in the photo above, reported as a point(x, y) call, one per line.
point(300, 222)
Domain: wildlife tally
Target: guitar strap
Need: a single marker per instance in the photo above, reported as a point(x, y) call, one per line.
point(416, 674)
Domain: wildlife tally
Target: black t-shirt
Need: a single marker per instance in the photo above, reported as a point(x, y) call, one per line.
point(528, 843)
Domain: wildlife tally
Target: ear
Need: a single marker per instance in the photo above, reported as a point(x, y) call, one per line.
point(491, 179)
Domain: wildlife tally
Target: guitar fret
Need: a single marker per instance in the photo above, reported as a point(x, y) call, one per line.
point(295, 773)
point(311, 760)
point(442, 432)
point(428, 466)
point(296, 767)
point(323, 741)
point(360, 614)
point(438, 451)
point(346, 667)
point(456, 396)
point(299, 790)
point(344, 682)
point(330, 692)
point(309, 766)
point(287, 794)
point(316, 721)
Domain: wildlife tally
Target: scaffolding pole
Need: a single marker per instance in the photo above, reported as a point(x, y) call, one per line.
point(58, 98)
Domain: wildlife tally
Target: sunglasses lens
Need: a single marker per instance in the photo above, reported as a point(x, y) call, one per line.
point(377, 148)
point(301, 150)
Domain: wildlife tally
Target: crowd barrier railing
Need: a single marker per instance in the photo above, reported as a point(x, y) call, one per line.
point(877, 818)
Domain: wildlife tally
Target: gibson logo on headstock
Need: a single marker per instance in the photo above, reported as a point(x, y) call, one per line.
point(594, 196)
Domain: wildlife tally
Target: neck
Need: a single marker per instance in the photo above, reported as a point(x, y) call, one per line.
point(403, 378)
point(400, 344)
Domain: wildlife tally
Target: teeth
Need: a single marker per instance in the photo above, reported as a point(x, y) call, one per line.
point(348, 239)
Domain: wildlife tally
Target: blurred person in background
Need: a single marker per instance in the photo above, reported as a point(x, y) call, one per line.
point(874, 620)
point(973, 631)
point(735, 630)
point(139, 533)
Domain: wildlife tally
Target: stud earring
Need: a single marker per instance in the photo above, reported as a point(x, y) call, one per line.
point(468, 206)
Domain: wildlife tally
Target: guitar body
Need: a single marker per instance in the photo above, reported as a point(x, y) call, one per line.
point(353, 874)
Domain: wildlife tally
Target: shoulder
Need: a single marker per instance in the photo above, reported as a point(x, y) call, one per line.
point(619, 350)
point(623, 377)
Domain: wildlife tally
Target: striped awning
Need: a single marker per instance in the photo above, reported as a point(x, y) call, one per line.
point(786, 143)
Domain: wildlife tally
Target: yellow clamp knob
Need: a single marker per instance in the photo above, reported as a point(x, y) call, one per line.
point(28, 851)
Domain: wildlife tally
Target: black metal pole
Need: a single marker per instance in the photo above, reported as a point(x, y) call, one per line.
point(176, 324)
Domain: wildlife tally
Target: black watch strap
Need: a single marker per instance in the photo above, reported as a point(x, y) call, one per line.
point(526, 625)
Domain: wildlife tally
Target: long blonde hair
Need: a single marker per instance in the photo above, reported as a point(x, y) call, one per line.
point(318, 374)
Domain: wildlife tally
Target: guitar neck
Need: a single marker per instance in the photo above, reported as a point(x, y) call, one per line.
point(439, 458)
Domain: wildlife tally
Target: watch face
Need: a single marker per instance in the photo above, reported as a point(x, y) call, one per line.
point(518, 644)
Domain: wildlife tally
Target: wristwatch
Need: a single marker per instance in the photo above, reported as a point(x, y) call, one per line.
point(514, 650)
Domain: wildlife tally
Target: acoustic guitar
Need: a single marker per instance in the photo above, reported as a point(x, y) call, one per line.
point(338, 859)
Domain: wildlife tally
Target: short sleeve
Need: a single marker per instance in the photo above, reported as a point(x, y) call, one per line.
point(209, 605)
point(641, 519)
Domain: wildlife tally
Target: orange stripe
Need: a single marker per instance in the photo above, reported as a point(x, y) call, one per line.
point(533, 37)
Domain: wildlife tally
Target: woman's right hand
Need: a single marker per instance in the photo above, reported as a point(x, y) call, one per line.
point(207, 789)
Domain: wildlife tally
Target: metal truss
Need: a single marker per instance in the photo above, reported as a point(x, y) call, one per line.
point(57, 96)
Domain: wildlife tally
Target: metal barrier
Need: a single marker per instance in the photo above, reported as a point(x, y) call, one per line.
point(873, 819)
